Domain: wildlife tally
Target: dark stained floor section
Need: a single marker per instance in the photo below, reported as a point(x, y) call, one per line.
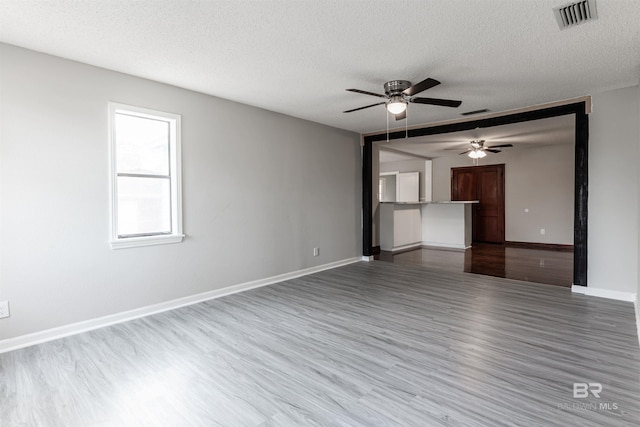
point(531, 265)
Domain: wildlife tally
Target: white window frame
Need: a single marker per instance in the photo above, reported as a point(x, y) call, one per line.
point(175, 173)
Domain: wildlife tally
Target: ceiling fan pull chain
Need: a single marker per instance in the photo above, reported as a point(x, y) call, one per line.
point(406, 123)
point(387, 114)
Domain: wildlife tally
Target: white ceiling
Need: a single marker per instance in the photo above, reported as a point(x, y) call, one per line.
point(297, 57)
point(393, 156)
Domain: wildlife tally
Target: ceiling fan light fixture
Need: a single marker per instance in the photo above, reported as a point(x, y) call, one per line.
point(477, 154)
point(396, 105)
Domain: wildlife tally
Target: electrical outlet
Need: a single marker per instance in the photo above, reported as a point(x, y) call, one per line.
point(4, 309)
point(316, 251)
point(543, 231)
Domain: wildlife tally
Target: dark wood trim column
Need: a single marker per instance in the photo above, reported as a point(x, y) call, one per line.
point(367, 199)
point(581, 196)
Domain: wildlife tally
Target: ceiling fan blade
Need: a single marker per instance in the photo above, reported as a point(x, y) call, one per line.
point(422, 86)
point(401, 116)
point(362, 108)
point(366, 93)
point(491, 150)
point(437, 101)
point(501, 146)
point(468, 151)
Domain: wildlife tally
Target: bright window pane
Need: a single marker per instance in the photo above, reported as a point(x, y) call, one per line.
point(144, 206)
point(142, 145)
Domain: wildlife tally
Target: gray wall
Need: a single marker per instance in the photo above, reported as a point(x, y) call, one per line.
point(614, 133)
point(403, 166)
point(538, 179)
point(260, 191)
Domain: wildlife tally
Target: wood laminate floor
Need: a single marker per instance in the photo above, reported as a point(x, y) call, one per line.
point(531, 265)
point(368, 344)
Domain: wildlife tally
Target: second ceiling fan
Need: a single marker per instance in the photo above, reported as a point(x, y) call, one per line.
point(478, 149)
point(399, 93)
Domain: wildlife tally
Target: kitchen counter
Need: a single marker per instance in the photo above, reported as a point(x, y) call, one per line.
point(447, 224)
point(442, 202)
point(441, 224)
point(454, 202)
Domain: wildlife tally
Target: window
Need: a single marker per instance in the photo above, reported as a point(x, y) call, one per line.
point(145, 176)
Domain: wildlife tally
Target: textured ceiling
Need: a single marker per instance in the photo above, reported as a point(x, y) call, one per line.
point(297, 57)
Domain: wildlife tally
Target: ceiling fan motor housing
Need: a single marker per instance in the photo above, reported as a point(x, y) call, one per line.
point(478, 144)
point(395, 87)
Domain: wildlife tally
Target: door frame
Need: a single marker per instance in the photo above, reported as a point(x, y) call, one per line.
point(475, 208)
point(581, 182)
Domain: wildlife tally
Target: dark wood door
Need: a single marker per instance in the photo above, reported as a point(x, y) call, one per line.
point(485, 184)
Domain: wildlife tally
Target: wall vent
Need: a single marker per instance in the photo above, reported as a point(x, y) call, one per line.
point(575, 13)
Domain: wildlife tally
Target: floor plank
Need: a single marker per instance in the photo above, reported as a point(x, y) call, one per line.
point(361, 345)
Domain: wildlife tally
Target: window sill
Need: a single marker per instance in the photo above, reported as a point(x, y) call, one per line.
point(134, 242)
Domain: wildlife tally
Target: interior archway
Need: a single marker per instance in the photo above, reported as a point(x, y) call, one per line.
point(579, 108)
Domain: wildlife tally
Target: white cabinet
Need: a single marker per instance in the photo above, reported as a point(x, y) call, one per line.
point(400, 187)
point(407, 225)
point(387, 187)
point(408, 187)
point(388, 182)
point(400, 226)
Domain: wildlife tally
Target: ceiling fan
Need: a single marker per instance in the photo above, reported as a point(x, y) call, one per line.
point(478, 149)
point(399, 93)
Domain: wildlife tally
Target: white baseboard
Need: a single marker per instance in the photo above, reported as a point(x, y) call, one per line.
point(15, 343)
point(604, 293)
point(444, 246)
point(403, 247)
point(637, 307)
point(367, 258)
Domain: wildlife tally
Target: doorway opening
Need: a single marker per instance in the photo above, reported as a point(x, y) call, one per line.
point(577, 109)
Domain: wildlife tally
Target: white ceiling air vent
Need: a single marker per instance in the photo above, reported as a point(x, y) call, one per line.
point(575, 13)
